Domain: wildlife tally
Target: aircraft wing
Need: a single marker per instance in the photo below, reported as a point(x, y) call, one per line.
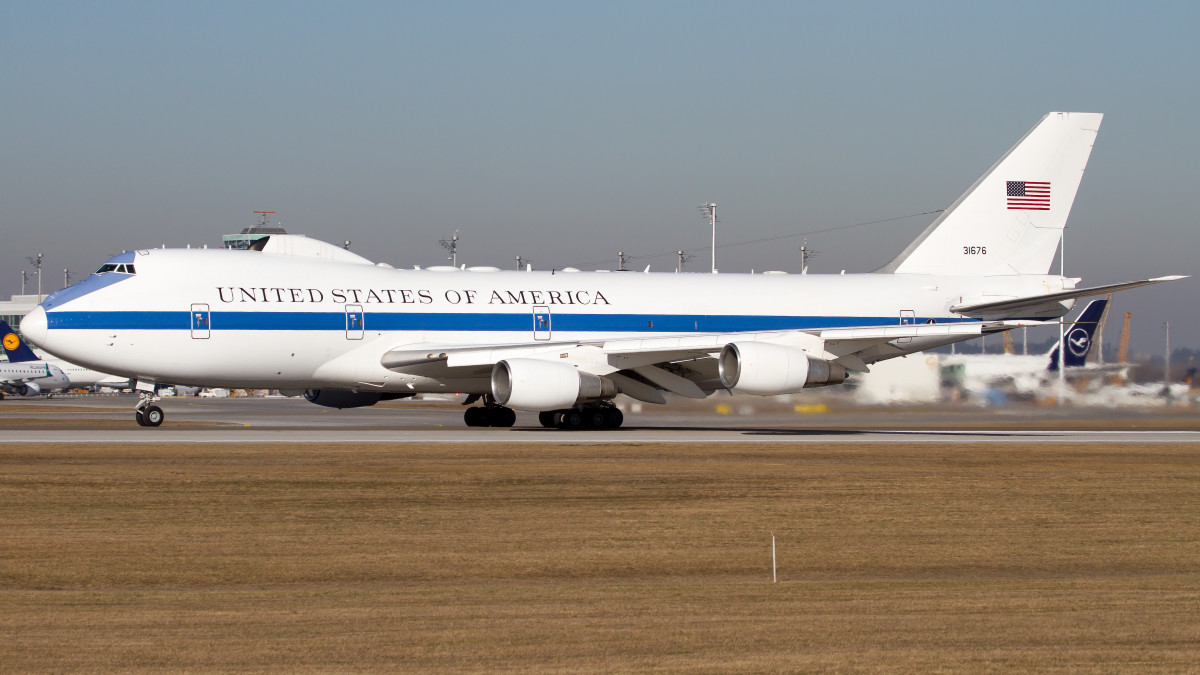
point(686, 365)
point(1049, 299)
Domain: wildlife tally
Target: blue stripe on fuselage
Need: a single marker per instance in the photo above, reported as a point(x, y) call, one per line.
point(465, 321)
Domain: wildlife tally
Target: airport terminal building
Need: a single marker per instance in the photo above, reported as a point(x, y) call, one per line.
point(17, 307)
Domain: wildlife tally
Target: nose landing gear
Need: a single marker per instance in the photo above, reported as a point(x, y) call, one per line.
point(147, 414)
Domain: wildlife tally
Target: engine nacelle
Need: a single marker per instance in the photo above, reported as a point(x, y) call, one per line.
point(767, 369)
point(340, 398)
point(29, 389)
point(533, 384)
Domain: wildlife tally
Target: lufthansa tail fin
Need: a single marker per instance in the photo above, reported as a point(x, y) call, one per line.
point(1080, 336)
point(1010, 221)
point(14, 346)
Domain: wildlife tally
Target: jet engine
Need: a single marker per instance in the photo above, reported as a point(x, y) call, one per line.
point(533, 384)
point(28, 389)
point(767, 369)
point(340, 398)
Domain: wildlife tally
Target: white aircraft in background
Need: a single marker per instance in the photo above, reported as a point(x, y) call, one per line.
point(77, 376)
point(298, 314)
point(1030, 374)
point(23, 376)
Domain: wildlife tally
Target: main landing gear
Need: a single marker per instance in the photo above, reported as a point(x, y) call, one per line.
point(147, 414)
point(586, 417)
point(492, 414)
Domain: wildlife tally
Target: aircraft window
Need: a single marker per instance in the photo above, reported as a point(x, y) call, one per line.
point(114, 267)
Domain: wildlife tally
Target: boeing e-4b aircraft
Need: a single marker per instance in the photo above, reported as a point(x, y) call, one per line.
point(299, 314)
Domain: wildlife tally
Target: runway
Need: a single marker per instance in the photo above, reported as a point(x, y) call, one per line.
point(264, 420)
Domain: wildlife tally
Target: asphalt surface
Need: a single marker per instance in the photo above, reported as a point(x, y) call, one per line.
point(99, 419)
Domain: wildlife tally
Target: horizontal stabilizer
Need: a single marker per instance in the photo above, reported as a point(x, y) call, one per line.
point(1015, 304)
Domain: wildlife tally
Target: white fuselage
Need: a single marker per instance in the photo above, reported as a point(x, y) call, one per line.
point(82, 377)
point(254, 319)
point(44, 376)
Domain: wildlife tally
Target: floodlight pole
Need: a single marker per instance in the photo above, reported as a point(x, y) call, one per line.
point(709, 210)
point(452, 247)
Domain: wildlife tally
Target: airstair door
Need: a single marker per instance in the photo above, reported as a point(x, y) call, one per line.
point(200, 318)
point(541, 323)
point(355, 322)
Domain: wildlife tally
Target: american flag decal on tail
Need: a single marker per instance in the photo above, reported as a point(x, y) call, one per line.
point(1029, 195)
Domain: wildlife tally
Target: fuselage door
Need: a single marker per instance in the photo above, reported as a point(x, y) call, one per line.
point(355, 322)
point(907, 318)
point(541, 322)
point(201, 328)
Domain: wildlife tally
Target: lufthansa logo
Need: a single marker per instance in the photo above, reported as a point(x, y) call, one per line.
point(11, 341)
point(1078, 341)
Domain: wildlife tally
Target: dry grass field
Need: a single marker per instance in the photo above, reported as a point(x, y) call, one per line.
point(568, 558)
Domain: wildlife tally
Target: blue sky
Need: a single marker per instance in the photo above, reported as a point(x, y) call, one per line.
point(564, 132)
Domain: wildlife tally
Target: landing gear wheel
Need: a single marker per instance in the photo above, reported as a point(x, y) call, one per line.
point(146, 414)
point(595, 418)
point(473, 417)
point(571, 419)
point(614, 418)
point(153, 416)
point(490, 416)
point(547, 418)
point(503, 417)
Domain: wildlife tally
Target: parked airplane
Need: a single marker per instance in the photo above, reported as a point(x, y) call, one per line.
point(26, 378)
point(296, 313)
point(1029, 374)
point(77, 376)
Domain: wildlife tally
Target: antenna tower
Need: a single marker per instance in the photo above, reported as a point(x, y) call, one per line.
point(451, 245)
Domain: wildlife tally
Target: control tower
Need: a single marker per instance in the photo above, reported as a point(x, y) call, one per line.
point(251, 234)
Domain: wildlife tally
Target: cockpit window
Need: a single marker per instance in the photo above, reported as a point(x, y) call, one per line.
point(123, 268)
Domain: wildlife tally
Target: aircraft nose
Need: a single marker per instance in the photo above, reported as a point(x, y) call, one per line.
point(34, 326)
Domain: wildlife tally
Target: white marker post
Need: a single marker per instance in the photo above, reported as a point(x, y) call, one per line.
point(774, 575)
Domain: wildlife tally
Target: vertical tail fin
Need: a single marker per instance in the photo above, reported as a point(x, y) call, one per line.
point(14, 346)
point(1080, 337)
point(1011, 219)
